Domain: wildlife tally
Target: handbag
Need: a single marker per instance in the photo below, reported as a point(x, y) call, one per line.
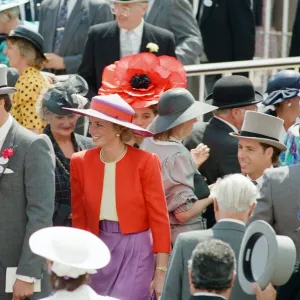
point(201, 188)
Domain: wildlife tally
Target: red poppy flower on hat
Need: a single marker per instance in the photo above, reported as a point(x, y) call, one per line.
point(140, 79)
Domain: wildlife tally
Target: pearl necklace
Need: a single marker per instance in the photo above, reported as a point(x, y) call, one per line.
point(113, 161)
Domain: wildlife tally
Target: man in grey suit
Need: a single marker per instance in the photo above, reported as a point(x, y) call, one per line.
point(64, 24)
point(177, 16)
point(27, 190)
point(278, 204)
point(234, 201)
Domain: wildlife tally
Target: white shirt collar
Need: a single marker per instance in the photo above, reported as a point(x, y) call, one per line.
point(4, 129)
point(232, 220)
point(229, 124)
point(138, 31)
point(259, 180)
point(209, 294)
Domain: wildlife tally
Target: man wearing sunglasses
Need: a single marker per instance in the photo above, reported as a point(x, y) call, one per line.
point(129, 34)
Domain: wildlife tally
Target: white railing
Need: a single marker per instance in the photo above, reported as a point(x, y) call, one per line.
point(259, 71)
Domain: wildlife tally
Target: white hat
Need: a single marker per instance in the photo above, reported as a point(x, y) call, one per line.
point(265, 257)
point(4, 89)
point(74, 252)
point(262, 128)
point(12, 3)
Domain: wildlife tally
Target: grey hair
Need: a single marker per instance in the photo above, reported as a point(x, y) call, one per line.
point(222, 112)
point(40, 107)
point(234, 193)
point(212, 266)
point(9, 14)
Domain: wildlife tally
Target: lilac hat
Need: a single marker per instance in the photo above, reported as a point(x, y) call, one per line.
point(114, 109)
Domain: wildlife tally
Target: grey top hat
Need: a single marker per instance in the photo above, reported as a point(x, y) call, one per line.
point(265, 257)
point(263, 128)
point(4, 89)
point(177, 106)
point(12, 3)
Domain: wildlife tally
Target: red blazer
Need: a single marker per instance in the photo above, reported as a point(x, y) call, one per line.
point(140, 197)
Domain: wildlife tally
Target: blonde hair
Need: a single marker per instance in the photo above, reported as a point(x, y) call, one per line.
point(165, 135)
point(126, 134)
point(27, 50)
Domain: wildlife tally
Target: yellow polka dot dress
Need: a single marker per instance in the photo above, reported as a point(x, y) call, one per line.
point(29, 85)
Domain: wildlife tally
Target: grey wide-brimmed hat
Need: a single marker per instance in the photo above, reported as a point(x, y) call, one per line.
point(4, 89)
point(265, 257)
point(177, 106)
point(263, 128)
point(66, 94)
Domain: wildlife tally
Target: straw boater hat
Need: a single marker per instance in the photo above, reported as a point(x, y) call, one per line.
point(74, 252)
point(175, 107)
point(262, 128)
point(265, 257)
point(114, 109)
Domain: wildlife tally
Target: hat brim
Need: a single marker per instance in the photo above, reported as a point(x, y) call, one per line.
point(164, 123)
point(270, 142)
point(257, 99)
point(96, 114)
point(12, 4)
point(7, 90)
point(43, 241)
point(264, 262)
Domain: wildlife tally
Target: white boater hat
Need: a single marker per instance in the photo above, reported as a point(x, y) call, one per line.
point(11, 4)
point(265, 257)
point(74, 252)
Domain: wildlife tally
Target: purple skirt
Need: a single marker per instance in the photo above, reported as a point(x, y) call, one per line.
point(129, 274)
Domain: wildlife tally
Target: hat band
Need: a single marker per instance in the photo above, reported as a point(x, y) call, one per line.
point(257, 135)
point(111, 111)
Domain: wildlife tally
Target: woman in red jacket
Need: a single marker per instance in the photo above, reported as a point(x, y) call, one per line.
point(117, 192)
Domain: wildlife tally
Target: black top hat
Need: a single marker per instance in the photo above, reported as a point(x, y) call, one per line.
point(23, 32)
point(67, 94)
point(234, 91)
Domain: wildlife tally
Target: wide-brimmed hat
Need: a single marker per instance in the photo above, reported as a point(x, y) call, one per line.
point(175, 107)
point(114, 109)
point(233, 91)
point(69, 93)
point(12, 3)
point(35, 38)
point(263, 128)
point(74, 252)
point(265, 257)
point(4, 89)
point(282, 86)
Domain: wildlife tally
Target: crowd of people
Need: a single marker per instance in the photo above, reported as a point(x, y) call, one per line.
point(149, 202)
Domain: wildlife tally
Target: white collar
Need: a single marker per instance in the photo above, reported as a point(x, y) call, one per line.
point(4, 129)
point(232, 220)
point(259, 180)
point(208, 294)
point(137, 30)
point(229, 124)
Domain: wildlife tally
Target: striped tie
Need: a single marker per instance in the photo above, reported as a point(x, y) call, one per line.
point(254, 182)
point(60, 25)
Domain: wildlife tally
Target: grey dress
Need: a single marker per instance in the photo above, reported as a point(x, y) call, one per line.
point(178, 171)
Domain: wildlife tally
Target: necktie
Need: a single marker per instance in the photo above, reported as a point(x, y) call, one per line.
point(127, 44)
point(254, 182)
point(60, 25)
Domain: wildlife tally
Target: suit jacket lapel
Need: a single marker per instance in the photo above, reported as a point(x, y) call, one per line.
point(78, 13)
point(154, 12)
point(9, 142)
point(147, 38)
point(52, 14)
point(112, 43)
point(207, 10)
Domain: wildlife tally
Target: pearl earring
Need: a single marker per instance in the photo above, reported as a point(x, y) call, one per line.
point(289, 104)
point(117, 135)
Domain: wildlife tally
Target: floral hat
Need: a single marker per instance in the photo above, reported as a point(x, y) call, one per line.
point(141, 79)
